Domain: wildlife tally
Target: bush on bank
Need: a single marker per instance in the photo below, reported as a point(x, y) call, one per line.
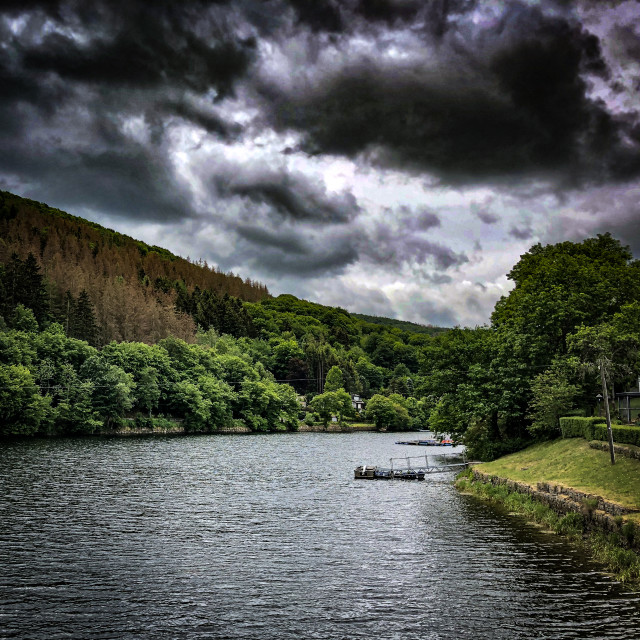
point(596, 429)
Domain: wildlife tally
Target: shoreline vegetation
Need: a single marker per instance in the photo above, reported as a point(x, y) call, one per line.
point(97, 327)
point(569, 488)
point(238, 429)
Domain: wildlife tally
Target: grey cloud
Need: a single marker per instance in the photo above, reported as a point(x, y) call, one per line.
point(484, 214)
point(422, 220)
point(292, 195)
point(426, 312)
point(322, 257)
point(511, 102)
point(122, 184)
point(359, 298)
point(286, 242)
point(438, 278)
point(185, 44)
point(521, 233)
point(488, 218)
point(615, 210)
point(204, 118)
point(392, 247)
point(413, 219)
point(471, 302)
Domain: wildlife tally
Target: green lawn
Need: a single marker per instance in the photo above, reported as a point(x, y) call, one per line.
point(572, 463)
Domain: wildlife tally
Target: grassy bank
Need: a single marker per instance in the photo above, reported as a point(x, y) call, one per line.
point(572, 463)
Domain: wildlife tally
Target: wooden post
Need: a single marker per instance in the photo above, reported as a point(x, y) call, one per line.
point(606, 412)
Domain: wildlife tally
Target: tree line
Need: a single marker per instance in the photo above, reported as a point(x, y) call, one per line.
point(573, 306)
point(132, 286)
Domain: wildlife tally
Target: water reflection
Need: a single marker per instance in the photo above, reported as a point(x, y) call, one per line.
point(270, 537)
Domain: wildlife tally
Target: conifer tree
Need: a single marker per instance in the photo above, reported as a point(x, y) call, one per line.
point(84, 320)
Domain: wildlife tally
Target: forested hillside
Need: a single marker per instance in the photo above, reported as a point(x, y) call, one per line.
point(132, 287)
point(73, 361)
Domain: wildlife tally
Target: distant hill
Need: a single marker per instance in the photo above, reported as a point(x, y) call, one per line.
point(139, 292)
point(133, 291)
point(411, 327)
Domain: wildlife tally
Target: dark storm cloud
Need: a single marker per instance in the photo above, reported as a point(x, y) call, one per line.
point(391, 11)
point(510, 102)
point(142, 48)
point(337, 16)
point(290, 194)
point(207, 120)
point(284, 252)
point(73, 74)
point(127, 183)
point(320, 15)
point(113, 106)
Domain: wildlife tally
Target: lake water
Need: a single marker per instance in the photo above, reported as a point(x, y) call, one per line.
point(270, 537)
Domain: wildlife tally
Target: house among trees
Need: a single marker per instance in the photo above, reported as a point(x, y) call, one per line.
point(357, 403)
point(629, 405)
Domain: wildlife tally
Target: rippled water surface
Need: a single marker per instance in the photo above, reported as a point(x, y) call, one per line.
point(271, 537)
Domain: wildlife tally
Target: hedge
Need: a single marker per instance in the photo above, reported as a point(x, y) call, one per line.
point(621, 433)
point(596, 429)
point(576, 427)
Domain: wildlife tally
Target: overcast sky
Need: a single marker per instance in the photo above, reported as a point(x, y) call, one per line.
point(394, 157)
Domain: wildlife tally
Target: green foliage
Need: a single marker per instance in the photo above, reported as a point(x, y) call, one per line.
point(334, 380)
point(266, 406)
point(113, 388)
point(148, 389)
point(552, 396)
point(22, 319)
point(22, 408)
point(578, 427)
point(388, 413)
point(571, 524)
point(189, 403)
point(74, 412)
point(497, 387)
point(332, 403)
point(621, 433)
point(220, 398)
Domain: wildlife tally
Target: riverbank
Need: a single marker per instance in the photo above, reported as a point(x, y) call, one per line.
point(168, 427)
point(570, 488)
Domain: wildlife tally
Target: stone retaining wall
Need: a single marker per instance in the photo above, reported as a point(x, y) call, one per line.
point(598, 513)
point(624, 450)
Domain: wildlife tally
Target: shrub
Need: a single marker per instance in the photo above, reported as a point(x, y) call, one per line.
point(576, 427)
point(570, 524)
point(628, 531)
point(621, 433)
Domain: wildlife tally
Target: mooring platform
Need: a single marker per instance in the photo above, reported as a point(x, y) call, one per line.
point(410, 470)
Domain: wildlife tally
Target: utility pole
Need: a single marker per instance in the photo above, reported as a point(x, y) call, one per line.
point(606, 410)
